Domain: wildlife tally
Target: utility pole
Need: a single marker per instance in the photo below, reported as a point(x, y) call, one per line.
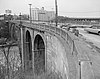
point(20, 18)
point(30, 14)
point(56, 15)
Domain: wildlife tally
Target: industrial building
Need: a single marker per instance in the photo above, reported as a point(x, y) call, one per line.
point(42, 15)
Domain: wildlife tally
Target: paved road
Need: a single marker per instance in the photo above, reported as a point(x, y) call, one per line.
point(93, 56)
point(95, 39)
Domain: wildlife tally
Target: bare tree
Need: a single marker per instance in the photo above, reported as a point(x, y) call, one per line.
point(5, 46)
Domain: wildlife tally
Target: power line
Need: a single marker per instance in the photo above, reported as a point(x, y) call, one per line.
point(82, 12)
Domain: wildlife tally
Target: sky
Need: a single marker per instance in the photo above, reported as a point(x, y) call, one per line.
point(69, 8)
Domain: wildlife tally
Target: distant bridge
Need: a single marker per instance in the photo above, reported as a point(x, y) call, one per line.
point(52, 53)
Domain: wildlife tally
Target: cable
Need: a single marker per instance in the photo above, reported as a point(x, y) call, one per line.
point(82, 12)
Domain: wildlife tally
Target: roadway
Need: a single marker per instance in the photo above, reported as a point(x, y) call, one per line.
point(93, 38)
point(93, 55)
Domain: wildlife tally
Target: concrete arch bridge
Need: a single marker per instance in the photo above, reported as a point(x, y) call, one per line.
point(52, 53)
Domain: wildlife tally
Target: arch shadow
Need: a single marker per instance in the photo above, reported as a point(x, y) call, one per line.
point(39, 55)
point(28, 52)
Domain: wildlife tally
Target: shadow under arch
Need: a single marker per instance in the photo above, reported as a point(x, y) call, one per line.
point(39, 55)
point(28, 53)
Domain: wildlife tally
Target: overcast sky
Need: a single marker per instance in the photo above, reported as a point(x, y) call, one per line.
point(71, 8)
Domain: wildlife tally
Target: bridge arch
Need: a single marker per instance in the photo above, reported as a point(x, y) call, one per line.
point(28, 53)
point(39, 55)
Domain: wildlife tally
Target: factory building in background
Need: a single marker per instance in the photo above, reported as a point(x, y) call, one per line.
point(42, 15)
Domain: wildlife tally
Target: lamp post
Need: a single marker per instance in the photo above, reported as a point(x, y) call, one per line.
point(30, 14)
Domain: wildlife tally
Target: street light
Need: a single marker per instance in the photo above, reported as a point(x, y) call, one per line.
point(30, 13)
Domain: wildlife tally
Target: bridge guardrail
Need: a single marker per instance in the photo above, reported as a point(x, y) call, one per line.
point(58, 31)
point(52, 29)
point(47, 28)
point(42, 27)
point(63, 34)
